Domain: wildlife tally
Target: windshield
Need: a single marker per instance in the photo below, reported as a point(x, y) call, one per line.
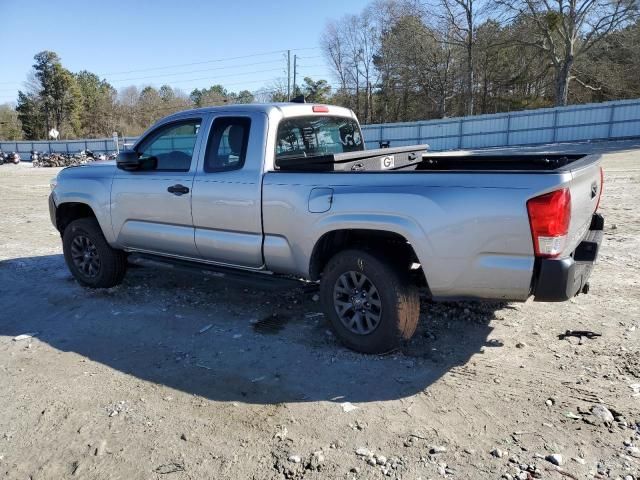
point(313, 136)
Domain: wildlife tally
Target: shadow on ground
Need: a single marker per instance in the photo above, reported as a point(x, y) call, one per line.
point(224, 341)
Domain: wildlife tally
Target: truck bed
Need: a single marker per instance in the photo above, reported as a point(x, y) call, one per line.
point(534, 162)
point(465, 216)
point(414, 158)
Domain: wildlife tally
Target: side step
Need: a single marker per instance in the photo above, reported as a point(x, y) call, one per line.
point(262, 280)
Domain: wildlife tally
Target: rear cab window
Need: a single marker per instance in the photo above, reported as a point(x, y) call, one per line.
point(227, 145)
point(312, 136)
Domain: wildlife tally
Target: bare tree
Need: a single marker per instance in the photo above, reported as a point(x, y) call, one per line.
point(352, 44)
point(414, 60)
point(333, 45)
point(567, 29)
point(276, 91)
point(127, 106)
point(459, 20)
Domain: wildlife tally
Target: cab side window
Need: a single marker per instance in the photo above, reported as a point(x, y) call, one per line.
point(171, 147)
point(227, 146)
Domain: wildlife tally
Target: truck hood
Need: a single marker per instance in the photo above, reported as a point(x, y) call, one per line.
point(104, 168)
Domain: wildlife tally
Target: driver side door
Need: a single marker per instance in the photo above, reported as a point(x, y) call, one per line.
point(151, 207)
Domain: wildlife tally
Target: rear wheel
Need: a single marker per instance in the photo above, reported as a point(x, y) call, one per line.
point(89, 257)
point(370, 303)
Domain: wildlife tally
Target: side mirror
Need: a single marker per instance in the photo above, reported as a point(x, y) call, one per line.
point(130, 161)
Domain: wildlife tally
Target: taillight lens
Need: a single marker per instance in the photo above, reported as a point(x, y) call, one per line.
point(549, 217)
point(320, 109)
point(601, 187)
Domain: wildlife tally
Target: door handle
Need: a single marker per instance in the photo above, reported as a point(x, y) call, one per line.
point(178, 189)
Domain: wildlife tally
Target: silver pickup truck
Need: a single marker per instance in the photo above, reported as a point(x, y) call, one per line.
point(290, 190)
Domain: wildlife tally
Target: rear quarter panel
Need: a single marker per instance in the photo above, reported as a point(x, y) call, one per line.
point(470, 231)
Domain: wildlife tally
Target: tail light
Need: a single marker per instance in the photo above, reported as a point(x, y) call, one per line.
point(549, 217)
point(320, 109)
point(601, 187)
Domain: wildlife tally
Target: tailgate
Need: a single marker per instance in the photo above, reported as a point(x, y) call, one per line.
point(585, 187)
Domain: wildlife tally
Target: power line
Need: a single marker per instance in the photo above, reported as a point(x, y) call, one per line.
point(335, 88)
point(224, 67)
point(210, 78)
point(215, 78)
point(185, 80)
point(217, 60)
point(247, 82)
point(394, 88)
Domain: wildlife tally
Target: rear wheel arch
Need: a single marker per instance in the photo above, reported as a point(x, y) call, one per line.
point(378, 242)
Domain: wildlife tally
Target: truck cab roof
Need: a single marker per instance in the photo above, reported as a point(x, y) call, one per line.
point(284, 109)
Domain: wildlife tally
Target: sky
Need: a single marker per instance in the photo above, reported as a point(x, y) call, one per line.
point(240, 44)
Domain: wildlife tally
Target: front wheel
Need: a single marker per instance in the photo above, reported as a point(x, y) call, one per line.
point(370, 303)
point(89, 257)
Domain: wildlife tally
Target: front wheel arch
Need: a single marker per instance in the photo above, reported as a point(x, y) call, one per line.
point(69, 211)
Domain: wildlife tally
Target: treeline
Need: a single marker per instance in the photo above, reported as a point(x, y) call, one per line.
point(82, 105)
point(402, 60)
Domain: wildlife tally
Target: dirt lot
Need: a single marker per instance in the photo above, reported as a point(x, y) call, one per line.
point(120, 384)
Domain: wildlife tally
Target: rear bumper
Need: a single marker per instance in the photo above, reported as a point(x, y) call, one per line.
point(557, 280)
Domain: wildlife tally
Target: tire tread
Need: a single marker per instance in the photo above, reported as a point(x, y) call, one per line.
point(405, 306)
point(113, 262)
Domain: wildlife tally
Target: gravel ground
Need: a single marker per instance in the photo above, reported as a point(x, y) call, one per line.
point(187, 376)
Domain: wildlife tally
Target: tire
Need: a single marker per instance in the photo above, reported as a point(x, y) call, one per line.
point(393, 300)
point(85, 235)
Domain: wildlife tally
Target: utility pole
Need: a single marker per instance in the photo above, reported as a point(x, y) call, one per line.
point(295, 72)
point(288, 75)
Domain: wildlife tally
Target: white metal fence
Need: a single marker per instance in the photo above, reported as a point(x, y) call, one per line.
point(594, 121)
point(102, 145)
